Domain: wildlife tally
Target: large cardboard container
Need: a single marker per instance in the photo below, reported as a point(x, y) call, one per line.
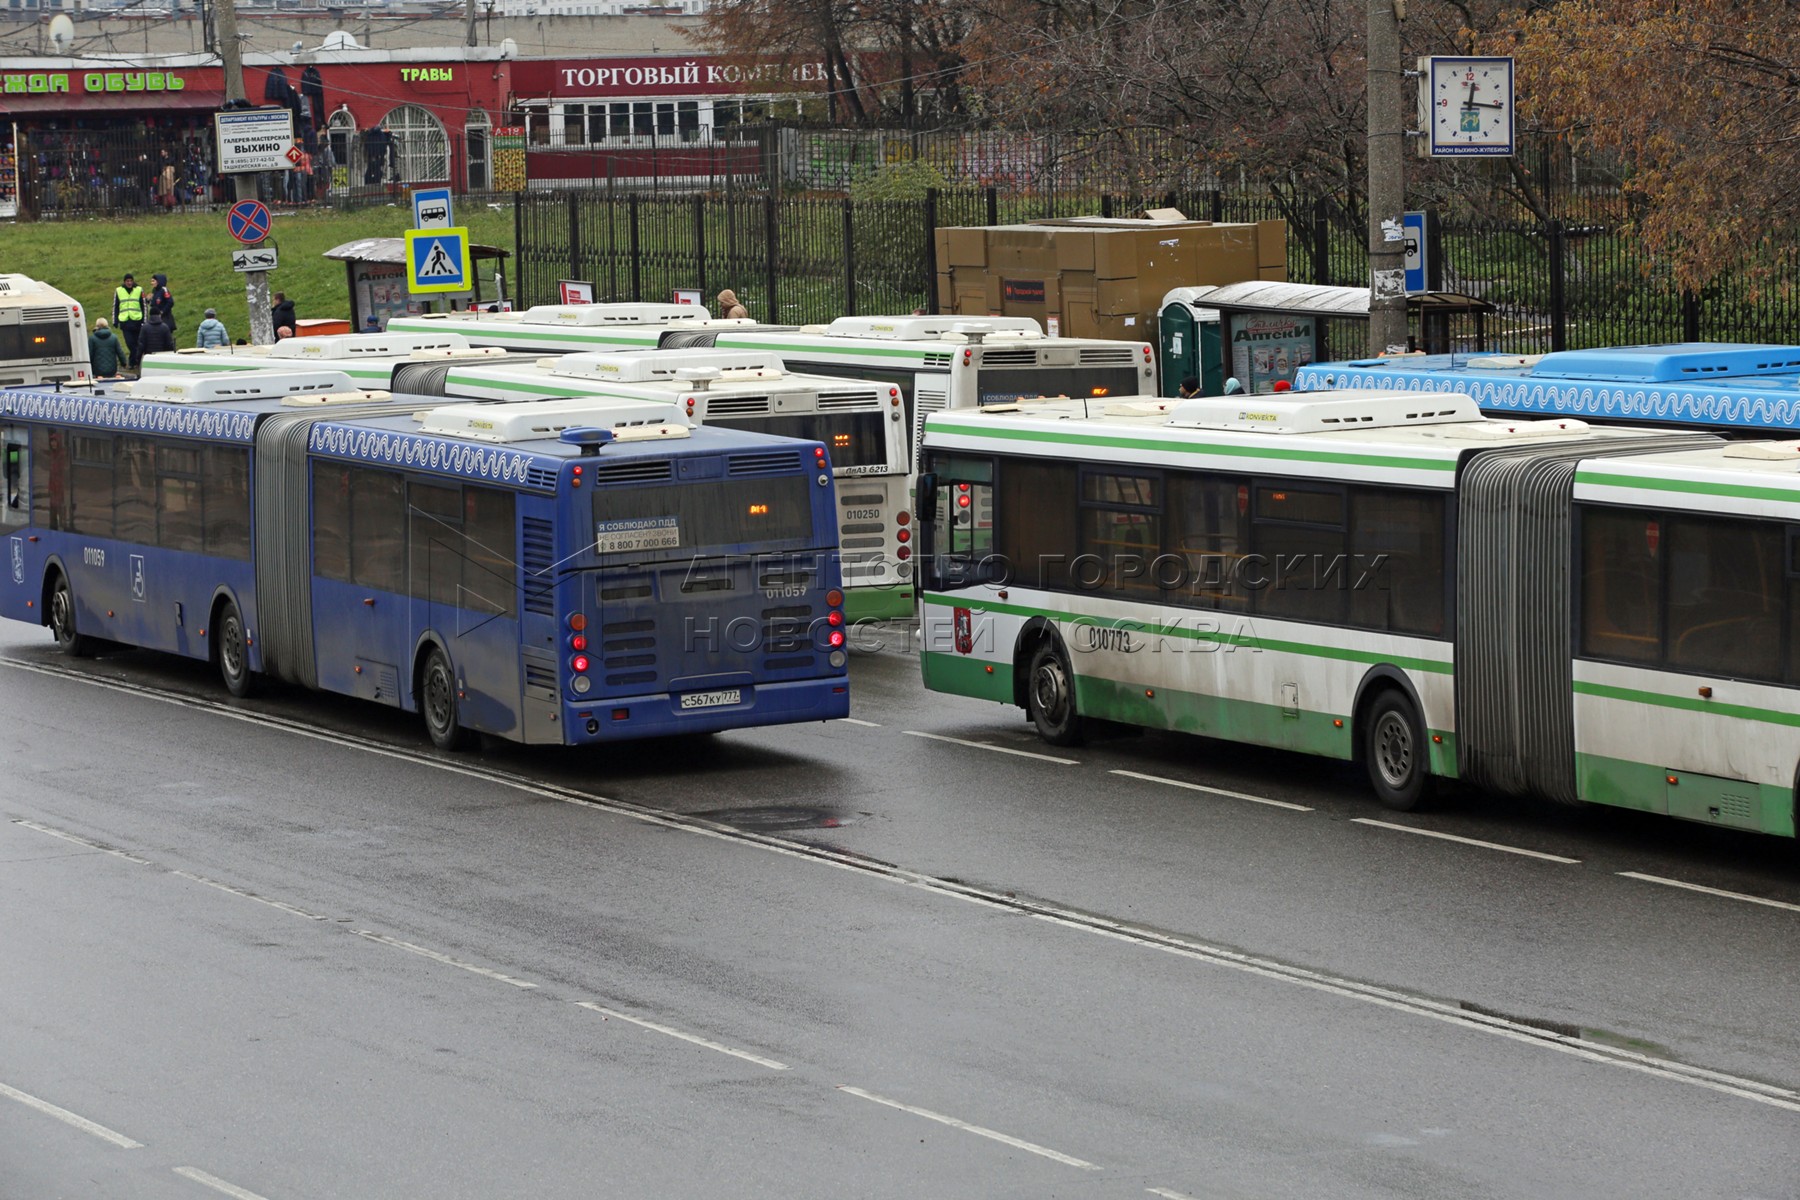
point(1098, 276)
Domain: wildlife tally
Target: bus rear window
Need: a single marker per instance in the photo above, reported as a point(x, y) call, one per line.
point(43, 339)
point(704, 515)
point(1083, 383)
point(855, 439)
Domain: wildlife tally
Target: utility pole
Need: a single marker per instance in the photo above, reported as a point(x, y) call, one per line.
point(469, 22)
point(1389, 113)
point(231, 55)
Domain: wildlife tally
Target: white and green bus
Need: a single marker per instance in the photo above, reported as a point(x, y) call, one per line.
point(861, 422)
point(1603, 614)
point(567, 328)
point(947, 362)
point(367, 358)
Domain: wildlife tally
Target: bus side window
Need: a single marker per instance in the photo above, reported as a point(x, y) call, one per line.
point(16, 446)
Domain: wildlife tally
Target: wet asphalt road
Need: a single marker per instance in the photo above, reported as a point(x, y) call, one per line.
point(281, 949)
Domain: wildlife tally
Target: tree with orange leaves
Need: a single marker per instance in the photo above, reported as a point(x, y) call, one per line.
point(1699, 103)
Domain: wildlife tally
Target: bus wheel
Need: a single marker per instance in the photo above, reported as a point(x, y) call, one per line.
point(233, 650)
point(1050, 697)
point(1395, 754)
point(437, 701)
point(62, 621)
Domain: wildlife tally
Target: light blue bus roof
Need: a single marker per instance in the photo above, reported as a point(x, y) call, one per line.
point(1709, 384)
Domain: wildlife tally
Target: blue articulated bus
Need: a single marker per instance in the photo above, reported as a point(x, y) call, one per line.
point(552, 572)
point(1712, 385)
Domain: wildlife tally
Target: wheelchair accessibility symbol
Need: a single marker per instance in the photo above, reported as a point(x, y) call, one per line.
point(137, 577)
point(18, 559)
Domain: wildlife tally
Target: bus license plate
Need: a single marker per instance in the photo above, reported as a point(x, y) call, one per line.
point(716, 699)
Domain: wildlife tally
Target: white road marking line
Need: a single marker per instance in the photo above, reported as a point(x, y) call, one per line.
point(216, 1184)
point(436, 956)
point(1216, 791)
point(1417, 1006)
point(977, 1130)
point(1169, 1194)
point(69, 1118)
point(758, 1059)
point(938, 737)
point(238, 891)
point(864, 724)
point(1711, 891)
point(81, 841)
point(1467, 841)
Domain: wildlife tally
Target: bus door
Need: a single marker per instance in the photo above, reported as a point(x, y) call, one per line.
point(360, 606)
point(15, 512)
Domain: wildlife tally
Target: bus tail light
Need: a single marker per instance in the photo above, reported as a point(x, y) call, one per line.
point(575, 476)
point(834, 598)
point(905, 535)
point(903, 518)
point(578, 621)
point(578, 642)
point(579, 664)
point(835, 638)
point(904, 553)
point(894, 397)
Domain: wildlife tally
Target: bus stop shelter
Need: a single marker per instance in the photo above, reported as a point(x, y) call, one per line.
point(1261, 332)
point(376, 271)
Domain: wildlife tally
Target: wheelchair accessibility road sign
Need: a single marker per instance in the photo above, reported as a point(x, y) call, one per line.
point(437, 260)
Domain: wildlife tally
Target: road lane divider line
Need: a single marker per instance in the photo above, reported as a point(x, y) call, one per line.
point(696, 1039)
point(216, 1184)
point(68, 1118)
point(439, 956)
point(956, 741)
point(864, 724)
point(248, 895)
point(1170, 1194)
point(1710, 891)
point(1467, 841)
point(1445, 1012)
point(1215, 791)
point(977, 1130)
point(81, 841)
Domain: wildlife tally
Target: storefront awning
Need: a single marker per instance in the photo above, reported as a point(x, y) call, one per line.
point(63, 104)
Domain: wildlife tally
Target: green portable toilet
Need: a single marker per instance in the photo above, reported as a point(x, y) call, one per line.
point(1191, 345)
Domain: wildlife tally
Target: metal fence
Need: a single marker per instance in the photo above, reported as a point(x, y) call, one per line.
point(801, 258)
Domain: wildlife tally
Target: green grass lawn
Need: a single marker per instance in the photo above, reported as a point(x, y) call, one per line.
point(87, 258)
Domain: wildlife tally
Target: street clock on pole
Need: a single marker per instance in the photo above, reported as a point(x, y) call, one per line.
point(1467, 106)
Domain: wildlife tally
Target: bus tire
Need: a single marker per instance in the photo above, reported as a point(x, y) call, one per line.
point(62, 620)
point(437, 703)
point(231, 650)
point(1050, 696)
point(1395, 753)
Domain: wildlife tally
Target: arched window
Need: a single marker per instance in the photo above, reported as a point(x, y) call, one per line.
point(421, 150)
point(475, 141)
point(340, 135)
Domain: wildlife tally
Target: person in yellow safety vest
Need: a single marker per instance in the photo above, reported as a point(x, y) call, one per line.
point(128, 315)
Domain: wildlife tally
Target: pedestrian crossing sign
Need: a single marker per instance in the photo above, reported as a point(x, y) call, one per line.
point(437, 260)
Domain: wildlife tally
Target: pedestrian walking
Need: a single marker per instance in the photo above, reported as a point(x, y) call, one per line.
point(128, 315)
point(106, 353)
point(729, 308)
point(161, 300)
point(155, 336)
point(211, 332)
point(281, 312)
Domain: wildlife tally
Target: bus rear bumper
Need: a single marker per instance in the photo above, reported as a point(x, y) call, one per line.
point(662, 715)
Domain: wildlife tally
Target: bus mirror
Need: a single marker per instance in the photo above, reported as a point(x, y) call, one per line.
point(925, 501)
